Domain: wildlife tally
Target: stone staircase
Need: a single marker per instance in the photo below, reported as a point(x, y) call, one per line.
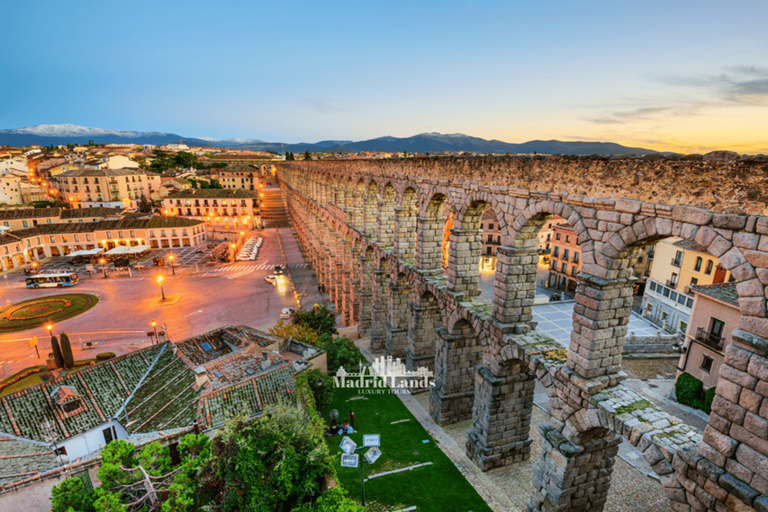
point(274, 212)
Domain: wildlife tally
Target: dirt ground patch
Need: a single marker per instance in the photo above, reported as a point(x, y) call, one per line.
point(650, 368)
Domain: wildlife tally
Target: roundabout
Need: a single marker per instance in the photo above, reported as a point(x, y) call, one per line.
point(33, 313)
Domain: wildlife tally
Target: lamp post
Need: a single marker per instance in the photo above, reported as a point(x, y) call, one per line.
point(103, 264)
point(173, 269)
point(154, 328)
point(49, 326)
point(160, 282)
point(233, 246)
point(34, 266)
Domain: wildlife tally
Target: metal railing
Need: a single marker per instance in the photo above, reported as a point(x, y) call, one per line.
point(708, 338)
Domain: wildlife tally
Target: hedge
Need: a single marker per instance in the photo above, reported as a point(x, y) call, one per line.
point(690, 391)
point(105, 356)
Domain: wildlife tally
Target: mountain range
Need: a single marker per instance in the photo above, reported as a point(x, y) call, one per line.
point(56, 134)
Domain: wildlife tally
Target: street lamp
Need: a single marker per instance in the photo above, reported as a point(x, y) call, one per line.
point(154, 328)
point(49, 326)
point(160, 282)
point(103, 264)
point(173, 269)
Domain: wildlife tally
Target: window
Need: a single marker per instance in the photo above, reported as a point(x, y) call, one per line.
point(119, 234)
point(53, 239)
point(133, 234)
point(565, 254)
point(109, 235)
point(716, 328)
point(699, 262)
point(694, 281)
point(706, 363)
point(681, 299)
point(24, 224)
point(673, 296)
point(683, 327)
point(6, 224)
point(489, 250)
point(549, 237)
point(689, 303)
point(567, 239)
point(708, 270)
point(151, 234)
point(490, 239)
point(556, 252)
point(87, 238)
point(557, 236)
point(77, 238)
point(564, 268)
point(490, 226)
point(665, 292)
point(678, 258)
point(653, 286)
point(575, 257)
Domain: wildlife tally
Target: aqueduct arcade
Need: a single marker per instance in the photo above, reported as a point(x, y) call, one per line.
point(373, 232)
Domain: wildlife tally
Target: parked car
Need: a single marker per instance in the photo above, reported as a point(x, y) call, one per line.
point(286, 313)
point(278, 269)
point(271, 279)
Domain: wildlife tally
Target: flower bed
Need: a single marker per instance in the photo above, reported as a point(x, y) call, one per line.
point(28, 314)
point(12, 312)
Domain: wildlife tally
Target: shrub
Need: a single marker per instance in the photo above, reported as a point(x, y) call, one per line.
point(66, 351)
point(320, 319)
point(56, 349)
point(322, 392)
point(688, 389)
point(70, 494)
point(708, 397)
point(342, 352)
point(104, 356)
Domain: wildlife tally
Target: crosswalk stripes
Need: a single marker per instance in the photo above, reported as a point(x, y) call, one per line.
point(246, 269)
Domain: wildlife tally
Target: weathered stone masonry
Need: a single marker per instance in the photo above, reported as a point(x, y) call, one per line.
point(487, 355)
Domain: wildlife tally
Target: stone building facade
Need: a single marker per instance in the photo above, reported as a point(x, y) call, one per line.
point(372, 230)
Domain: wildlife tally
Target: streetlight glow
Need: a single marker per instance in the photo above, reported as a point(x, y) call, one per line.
point(160, 282)
point(173, 269)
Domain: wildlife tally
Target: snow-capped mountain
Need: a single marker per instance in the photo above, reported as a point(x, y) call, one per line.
point(46, 134)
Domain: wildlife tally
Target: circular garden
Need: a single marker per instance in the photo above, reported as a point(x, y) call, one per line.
point(33, 313)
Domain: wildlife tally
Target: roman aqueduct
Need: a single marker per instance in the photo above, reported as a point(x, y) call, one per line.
point(373, 232)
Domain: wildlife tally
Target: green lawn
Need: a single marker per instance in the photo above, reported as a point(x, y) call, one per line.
point(80, 303)
point(439, 487)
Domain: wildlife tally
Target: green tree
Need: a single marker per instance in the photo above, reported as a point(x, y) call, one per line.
point(66, 351)
point(145, 206)
point(216, 184)
point(289, 156)
point(71, 494)
point(332, 500)
point(321, 385)
point(320, 318)
point(341, 351)
point(307, 155)
point(56, 349)
point(274, 463)
point(109, 502)
point(155, 459)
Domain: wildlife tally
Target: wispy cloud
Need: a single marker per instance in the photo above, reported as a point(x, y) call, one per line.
point(324, 105)
point(734, 86)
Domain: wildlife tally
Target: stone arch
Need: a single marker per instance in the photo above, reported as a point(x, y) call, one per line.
point(429, 237)
point(398, 316)
point(366, 287)
point(457, 355)
point(424, 320)
point(466, 247)
point(386, 226)
point(405, 225)
point(379, 304)
point(371, 209)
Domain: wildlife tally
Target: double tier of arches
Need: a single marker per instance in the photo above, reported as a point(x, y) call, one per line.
point(377, 244)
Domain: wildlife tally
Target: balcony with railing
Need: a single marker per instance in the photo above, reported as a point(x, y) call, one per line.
point(710, 339)
point(676, 262)
point(671, 283)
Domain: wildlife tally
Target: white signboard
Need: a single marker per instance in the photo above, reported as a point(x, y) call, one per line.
point(348, 445)
point(349, 460)
point(372, 454)
point(372, 440)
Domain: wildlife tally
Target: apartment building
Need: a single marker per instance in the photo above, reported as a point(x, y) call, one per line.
point(238, 177)
point(565, 258)
point(230, 208)
point(678, 265)
point(491, 239)
point(714, 316)
point(23, 218)
point(111, 188)
point(18, 248)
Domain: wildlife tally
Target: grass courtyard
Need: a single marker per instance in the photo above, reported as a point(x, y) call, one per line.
point(438, 487)
point(33, 313)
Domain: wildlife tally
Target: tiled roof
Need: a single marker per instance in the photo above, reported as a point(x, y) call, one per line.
point(100, 172)
point(213, 193)
point(691, 245)
point(155, 222)
point(21, 459)
point(28, 213)
point(248, 397)
point(81, 213)
point(723, 291)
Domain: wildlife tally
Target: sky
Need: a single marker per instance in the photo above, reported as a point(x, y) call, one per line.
point(686, 76)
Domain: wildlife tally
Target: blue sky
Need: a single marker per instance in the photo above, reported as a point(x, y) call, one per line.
point(689, 76)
